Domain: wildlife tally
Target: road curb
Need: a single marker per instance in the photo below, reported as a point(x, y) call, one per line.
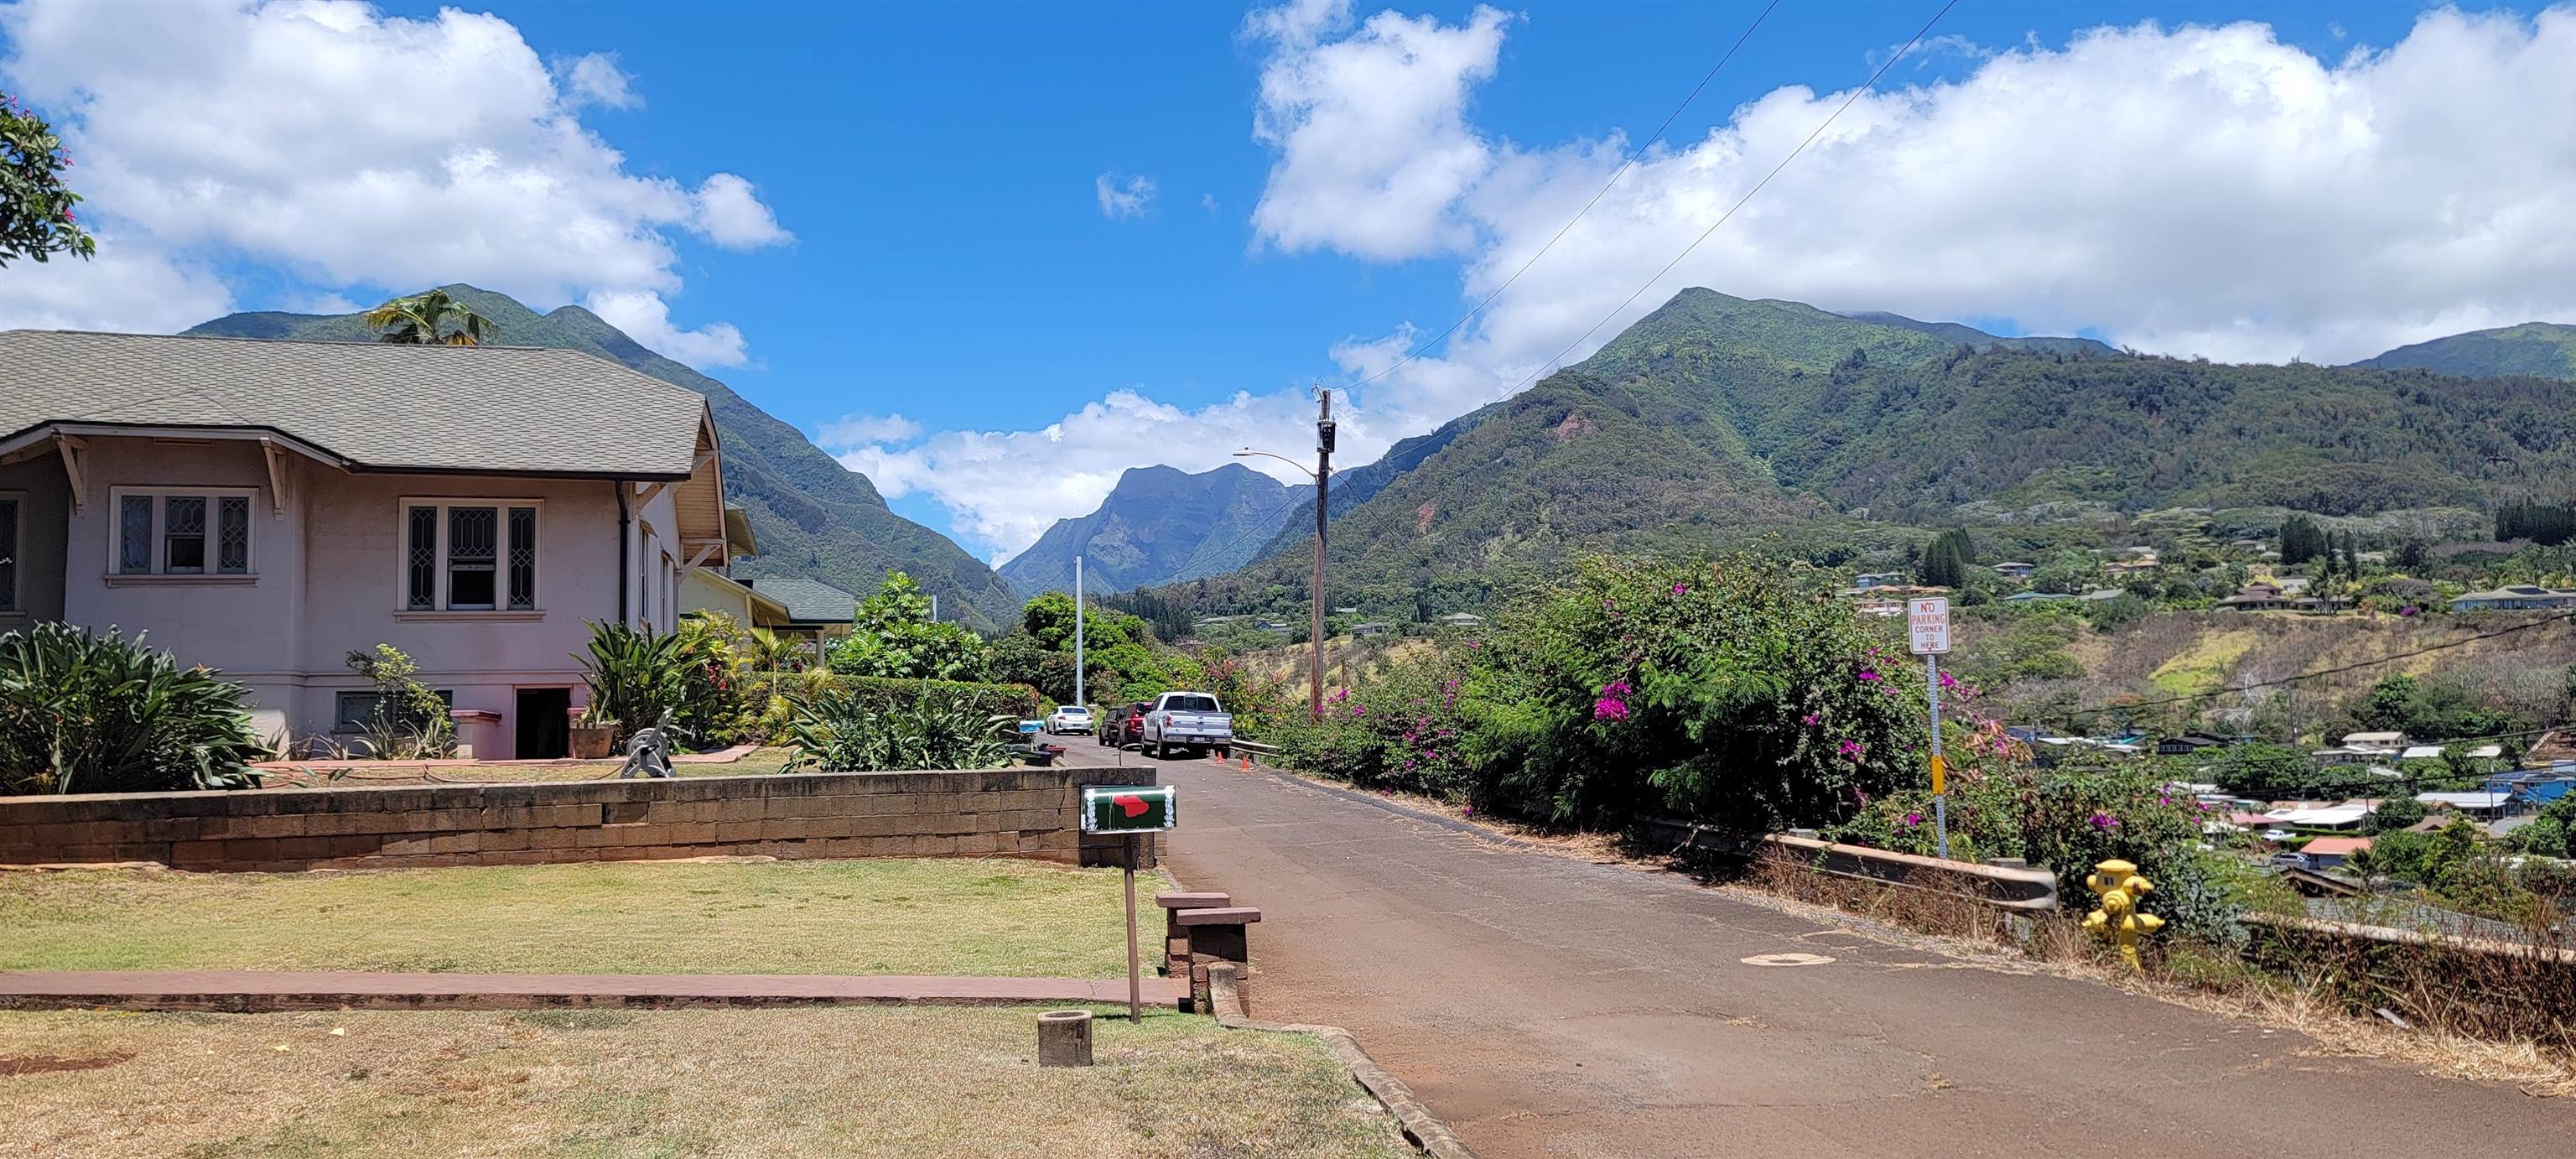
point(1422, 1128)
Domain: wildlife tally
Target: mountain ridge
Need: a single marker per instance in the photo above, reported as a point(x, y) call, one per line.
point(2544, 349)
point(814, 517)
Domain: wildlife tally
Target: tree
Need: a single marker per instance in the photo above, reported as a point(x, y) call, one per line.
point(36, 216)
point(2393, 814)
point(894, 636)
point(2301, 540)
point(1946, 559)
point(429, 318)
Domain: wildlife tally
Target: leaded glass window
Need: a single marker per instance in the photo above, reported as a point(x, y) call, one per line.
point(232, 535)
point(183, 534)
point(421, 559)
point(472, 553)
point(523, 558)
point(134, 534)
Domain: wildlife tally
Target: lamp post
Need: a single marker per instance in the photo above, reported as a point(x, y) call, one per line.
point(1323, 477)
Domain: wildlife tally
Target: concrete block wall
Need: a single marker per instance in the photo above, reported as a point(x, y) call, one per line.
point(1030, 813)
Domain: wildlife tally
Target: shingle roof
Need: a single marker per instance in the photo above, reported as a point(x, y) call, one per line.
point(501, 409)
point(808, 601)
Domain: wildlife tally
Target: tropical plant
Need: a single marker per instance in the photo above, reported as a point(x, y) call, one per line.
point(408, 720)
point(894, 636)
point(82, 712)
point(428, 318)
point(36, 216)
point(633, 675)
point(842, 730)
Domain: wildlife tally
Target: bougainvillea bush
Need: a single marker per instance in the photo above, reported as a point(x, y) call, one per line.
point(1402, 729)
point(1711, 691)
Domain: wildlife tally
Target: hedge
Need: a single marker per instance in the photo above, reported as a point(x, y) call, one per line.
point(1018, 701)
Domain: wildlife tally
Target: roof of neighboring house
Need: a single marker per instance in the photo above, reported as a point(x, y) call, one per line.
point(808, 601)
point(372, 406)
point(765, 608)
point(2333, 846)
point(2466, 800)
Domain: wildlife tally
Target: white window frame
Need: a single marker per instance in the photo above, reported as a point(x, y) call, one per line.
point(440, 608)
point(160, 496)
point(15, 551)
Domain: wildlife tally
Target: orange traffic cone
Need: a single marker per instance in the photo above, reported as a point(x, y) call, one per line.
point(1247, 762)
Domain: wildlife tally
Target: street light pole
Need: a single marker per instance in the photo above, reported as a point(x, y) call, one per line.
point(1323, 476)
point(1323, 481)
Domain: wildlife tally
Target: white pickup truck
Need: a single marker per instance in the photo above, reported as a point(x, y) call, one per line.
point(1191, 721)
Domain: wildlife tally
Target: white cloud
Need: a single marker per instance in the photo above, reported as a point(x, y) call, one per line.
point(731, 215)
point(861, 430)
point(129, 286)
point(646, 318)
point(2191, 190)
point(1120, 200)
point(353, 151)
point(1371, 131)
point(596, 79)
point(1006, 487)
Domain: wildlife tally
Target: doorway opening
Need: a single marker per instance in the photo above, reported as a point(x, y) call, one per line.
point(545, 723)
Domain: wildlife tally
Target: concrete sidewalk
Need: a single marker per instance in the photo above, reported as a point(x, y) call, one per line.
point(1545, 1005)
point(244, 991)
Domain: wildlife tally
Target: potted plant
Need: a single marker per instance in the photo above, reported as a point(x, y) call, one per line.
point(593, 738)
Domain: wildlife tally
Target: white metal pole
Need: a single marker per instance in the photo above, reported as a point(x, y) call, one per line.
point(1077, 633)
point(1940, 800)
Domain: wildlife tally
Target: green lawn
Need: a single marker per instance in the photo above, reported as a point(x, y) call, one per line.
point(864, 1081)
point(876, 916)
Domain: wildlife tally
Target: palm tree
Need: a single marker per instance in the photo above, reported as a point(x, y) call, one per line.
point(773, 651)
point(429, 318)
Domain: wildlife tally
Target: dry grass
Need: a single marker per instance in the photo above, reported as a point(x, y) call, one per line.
point(309, 774)
point(836, 1081)
point(875, 916)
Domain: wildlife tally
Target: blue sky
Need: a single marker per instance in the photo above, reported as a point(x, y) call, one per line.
point(945, 270)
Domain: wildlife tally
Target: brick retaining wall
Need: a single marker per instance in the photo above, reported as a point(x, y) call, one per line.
point(1009, 812)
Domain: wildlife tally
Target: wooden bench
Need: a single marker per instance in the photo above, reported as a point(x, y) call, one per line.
point(1176, 942)
point(1218, 931)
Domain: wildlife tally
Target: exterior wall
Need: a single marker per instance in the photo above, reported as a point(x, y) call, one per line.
point(1005, 812)
point(43, 493)
point(327, 578)
point(698, 593)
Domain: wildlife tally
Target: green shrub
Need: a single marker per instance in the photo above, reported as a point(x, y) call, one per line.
point(843, 729)
point(409, 720)
point(1017, 701)
point(88, 713)
point(634, 675)
point(1402, 730)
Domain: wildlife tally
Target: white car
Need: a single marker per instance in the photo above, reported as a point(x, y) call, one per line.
point(1070, 718)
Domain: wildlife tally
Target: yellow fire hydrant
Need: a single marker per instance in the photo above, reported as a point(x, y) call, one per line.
point(2120, 887)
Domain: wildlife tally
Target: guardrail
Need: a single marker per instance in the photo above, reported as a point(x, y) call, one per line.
point(2001, 886)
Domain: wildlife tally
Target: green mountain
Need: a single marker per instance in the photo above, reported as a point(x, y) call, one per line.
point(1716, 421)
point(814, 517)
point(2542, 349)
point(1971, 336)
point(1158, 525)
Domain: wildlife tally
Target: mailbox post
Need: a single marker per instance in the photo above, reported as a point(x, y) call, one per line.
point(1134, 811)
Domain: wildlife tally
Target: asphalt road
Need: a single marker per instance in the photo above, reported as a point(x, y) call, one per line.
point(1545, 1005)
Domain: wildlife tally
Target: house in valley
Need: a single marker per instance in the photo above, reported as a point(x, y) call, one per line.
point(266, 508)
point(816, 611)
point(2515, 598)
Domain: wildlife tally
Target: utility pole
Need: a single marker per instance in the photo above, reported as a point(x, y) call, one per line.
point(1077, 637)
point(1323, 481)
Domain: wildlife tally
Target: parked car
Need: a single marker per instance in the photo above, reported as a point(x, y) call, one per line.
point(1187, 721)
point(2290, 861)
point(1069, 718)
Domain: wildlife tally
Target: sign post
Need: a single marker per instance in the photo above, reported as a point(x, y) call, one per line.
point(1133, 811)
point(1927, 631)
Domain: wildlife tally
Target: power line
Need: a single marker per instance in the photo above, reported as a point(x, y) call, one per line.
point(1827, 123)
point(2321, 672)
point(1606, 186)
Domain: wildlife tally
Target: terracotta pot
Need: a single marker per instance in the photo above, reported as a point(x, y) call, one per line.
point(591, 742)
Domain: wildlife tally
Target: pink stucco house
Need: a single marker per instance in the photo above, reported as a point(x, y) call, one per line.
point(266, 507)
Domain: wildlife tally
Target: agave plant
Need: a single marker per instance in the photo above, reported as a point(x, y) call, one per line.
point(633, 675)
point(839, 730)
point(82, 712)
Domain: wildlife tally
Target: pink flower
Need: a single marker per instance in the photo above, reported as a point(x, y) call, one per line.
point(1810, 720)
point(1681, 589)
point(1616, 688)
point(1608, 708)
point(2105, 822)
point(1949, 681)
point(1868, 677)
point(2003, 748)
point(1851, 750)
point(1913, 819)
point(1359, 710)
point(1470, 810)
